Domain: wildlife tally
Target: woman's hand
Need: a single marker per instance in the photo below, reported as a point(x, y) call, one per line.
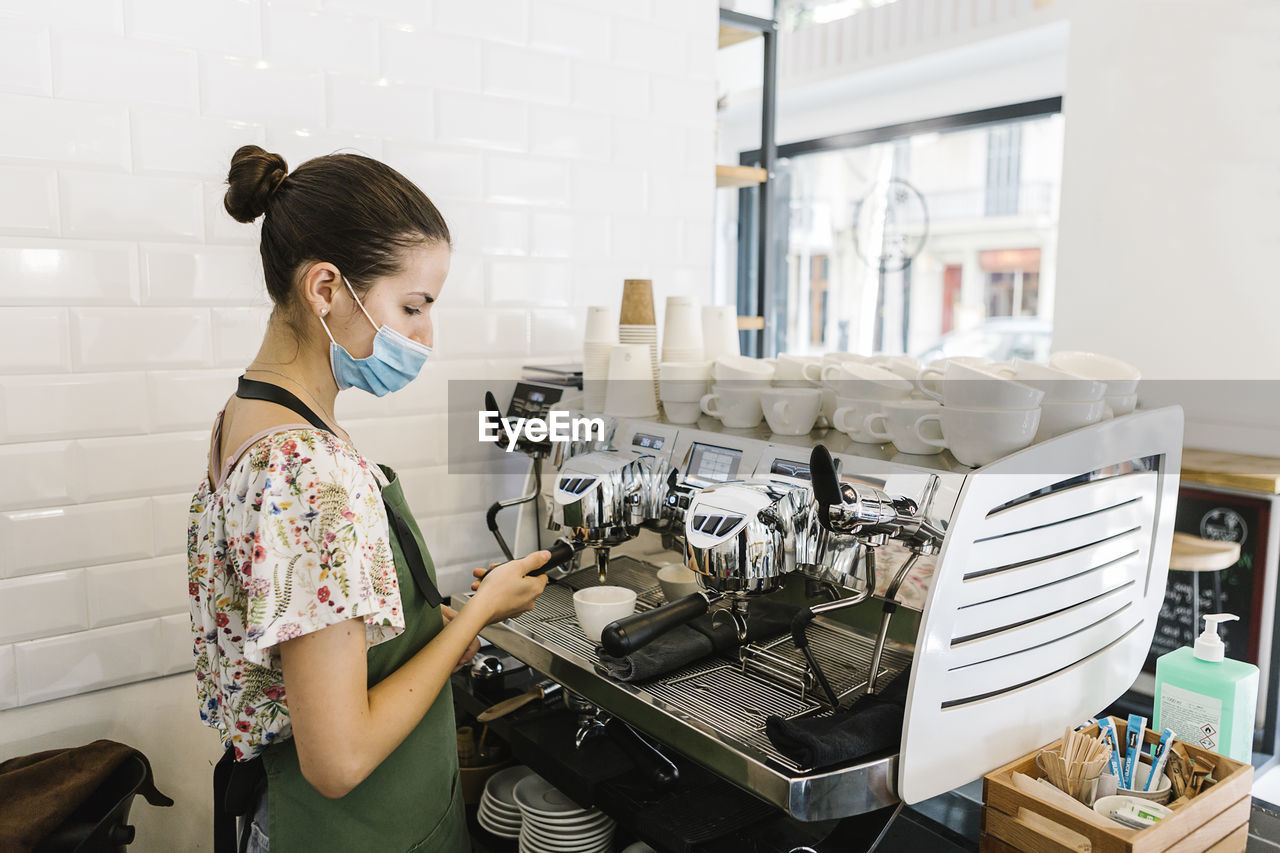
point(449, 613)
point(509, 591)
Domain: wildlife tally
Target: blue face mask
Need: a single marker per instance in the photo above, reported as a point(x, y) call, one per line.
point(394, 363)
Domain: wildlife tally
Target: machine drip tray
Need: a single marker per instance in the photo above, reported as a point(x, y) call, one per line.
point(714, 710)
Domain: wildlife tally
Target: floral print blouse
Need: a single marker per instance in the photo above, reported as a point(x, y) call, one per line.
point(293, 540)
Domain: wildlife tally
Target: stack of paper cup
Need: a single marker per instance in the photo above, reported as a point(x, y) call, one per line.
point(719, 331)
point(601, 337)
point(629, 393)
point(636, 322)
point(681, 331)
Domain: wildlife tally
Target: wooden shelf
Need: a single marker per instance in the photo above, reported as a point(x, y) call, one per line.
point(732, 35)
point(1233, 470)
point(740, 176)
point(750, 324)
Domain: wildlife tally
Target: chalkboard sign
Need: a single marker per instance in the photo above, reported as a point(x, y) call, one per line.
point(1231, 517)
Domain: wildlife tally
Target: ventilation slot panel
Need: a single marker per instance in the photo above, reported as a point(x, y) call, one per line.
point(1070, 502)
point(1010, 643)
point(997, 675)
point(1017, 549)
point(997, 584)
point(1033, 602)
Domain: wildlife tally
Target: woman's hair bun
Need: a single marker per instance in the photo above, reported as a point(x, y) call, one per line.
point(255, 175)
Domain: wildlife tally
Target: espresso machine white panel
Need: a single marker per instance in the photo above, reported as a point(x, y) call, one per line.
point(1045, 597)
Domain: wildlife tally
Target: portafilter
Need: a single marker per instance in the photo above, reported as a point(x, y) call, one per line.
point(740, 540)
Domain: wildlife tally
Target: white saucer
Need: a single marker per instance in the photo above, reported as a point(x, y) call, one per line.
point(501, 784)
point(578, 826)
point(569, 843)
point(538, 796)
point(531, 844)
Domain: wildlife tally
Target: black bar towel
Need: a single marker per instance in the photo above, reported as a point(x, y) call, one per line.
point(685, 644)
point(872, 725)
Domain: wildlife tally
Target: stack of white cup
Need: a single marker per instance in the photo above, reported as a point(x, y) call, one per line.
point(629, 388)
point(862, 390)
point(719, 331)
point(684, 371)
point(1120, 377)
point(983, 415)
point(682, 331)
point(735, 398)
point(793, 404)
point(812, 372)
point(681, 385)
point(1070, 401)
point(645, 336)
point(600, 338)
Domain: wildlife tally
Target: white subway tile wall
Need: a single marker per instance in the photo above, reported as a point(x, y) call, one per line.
point(567, 143)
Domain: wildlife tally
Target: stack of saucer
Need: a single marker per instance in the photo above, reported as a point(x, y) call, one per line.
point(553, 823)
point(601, 336)
point(498, 812)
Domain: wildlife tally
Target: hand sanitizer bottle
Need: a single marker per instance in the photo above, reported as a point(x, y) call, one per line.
point(1208, 699)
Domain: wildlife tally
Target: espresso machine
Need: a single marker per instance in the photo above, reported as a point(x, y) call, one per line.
point(1033, 582)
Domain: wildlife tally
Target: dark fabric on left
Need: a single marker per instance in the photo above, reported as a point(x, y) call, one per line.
point(701, 637)
point(40, 791)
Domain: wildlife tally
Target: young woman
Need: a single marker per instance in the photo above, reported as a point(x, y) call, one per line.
point(322, 653)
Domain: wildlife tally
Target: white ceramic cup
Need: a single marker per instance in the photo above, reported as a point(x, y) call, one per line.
point(897, 421)
point(1121, 376)
point(681, 390)
point(685, 370)
point(597, 606)
point(790, 369)
point(977, 437)
point(681, 413)
point(677, 581)
point(740, 368)
point(1057, 418)
point(791, 411)
point(737, 407)
point(1121, 404)
point(902, 365)
point(814, 372)
point(865, 381)
point(1057, 384)
point(969, 387)
point(851, 416)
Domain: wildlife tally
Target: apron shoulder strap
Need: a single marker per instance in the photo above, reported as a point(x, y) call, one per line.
point(252, 389)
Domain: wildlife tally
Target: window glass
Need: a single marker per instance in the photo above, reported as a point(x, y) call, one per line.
point(933, 244)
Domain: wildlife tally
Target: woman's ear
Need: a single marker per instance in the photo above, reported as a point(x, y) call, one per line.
point(320, 285)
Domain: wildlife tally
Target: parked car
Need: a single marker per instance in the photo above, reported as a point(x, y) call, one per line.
point(999, 339)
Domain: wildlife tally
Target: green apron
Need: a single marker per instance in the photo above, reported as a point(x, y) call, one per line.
point(413, 800)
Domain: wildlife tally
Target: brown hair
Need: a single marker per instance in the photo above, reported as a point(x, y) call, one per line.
point(352, 211)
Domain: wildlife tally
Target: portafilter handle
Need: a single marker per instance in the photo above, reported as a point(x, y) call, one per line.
point(624, 636)
point(862, 511)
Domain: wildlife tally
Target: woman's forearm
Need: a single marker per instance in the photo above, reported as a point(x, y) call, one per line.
point(398, 703)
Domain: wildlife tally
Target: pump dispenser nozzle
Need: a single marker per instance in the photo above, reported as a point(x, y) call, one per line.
point(1209, 645)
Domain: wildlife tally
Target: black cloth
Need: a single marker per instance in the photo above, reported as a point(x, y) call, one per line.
point(695, 640)
point(871, 725)
point(38, 792)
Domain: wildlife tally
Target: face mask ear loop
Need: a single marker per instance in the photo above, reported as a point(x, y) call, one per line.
point(326, 330)
point(376, 327)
